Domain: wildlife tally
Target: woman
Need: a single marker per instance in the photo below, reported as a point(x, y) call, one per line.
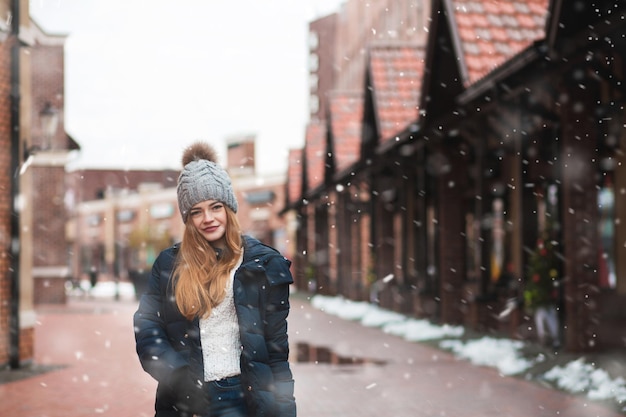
point(212, 326)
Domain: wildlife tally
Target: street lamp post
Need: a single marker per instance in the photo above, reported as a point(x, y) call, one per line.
point(49, 122)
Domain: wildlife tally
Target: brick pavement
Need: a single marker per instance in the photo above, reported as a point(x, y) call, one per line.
point(102, 376)
point(391, 377)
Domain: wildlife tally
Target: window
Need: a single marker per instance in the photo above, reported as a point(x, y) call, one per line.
point(260, 197)
point(314, 62)
point(314, 40)
point(161, 210)
point(314, 104)
point(125, 215)
point(606, 229)
point(313, 81)
point(94, 220)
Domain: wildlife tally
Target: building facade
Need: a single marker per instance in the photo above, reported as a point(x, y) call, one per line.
point(92, 196)
point(47, 153)
point(500, 131)
point(34, 150)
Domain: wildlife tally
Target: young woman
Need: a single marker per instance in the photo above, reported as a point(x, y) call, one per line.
point(212, 326)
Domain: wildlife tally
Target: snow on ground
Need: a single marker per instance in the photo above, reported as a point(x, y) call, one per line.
point(103, 289)
point(576, 377)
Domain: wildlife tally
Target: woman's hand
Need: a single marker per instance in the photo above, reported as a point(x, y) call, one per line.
point(190, 393)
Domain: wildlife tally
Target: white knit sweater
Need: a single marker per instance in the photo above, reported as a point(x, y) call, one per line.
point(219, 336)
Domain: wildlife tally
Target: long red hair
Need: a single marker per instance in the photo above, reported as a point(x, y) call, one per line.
point(200, 275)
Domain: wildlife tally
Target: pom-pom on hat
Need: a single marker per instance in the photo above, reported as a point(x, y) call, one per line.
point(203, 179)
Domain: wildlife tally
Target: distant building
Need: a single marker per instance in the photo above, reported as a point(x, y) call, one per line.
point(117, 218)
point(260, 197)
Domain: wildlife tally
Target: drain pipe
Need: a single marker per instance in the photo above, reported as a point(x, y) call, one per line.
point(14, 271)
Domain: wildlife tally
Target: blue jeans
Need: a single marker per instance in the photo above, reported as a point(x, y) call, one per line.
point(226, 397)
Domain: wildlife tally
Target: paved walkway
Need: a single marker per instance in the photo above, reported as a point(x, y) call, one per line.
point(341, 369)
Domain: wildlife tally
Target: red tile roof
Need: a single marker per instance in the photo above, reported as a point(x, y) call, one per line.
point(294, 176)
point(493, 31)
point(315, 153)
point(396, 74)
point(346, 117)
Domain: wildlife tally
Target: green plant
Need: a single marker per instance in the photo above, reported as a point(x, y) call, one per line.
point(370, 273)
point(542, 279)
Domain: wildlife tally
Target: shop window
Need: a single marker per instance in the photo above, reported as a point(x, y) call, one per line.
point(606, 229)
point(497, 238)
point(431, 256)
point(548, 211)
point(548, 218)
point(472, 232)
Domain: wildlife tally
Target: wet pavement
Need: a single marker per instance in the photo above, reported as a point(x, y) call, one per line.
point(86, 366)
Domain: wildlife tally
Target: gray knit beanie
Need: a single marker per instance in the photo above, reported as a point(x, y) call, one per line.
point(203, 179)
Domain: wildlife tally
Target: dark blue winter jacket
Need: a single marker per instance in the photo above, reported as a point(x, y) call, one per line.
point(166, 341)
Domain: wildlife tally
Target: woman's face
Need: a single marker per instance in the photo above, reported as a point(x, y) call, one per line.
point(210, 220)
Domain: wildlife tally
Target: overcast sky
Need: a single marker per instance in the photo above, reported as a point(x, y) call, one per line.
point(144, 78)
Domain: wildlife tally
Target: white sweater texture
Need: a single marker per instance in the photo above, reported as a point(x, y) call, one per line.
point(219, 336)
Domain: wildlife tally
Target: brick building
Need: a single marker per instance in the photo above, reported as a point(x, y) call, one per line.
point(93, 184)
point(31, 112)
point(48, 153)
point(90, 195)
point(322, 71)
point(339, 59)
point(260, 197)
point(502, 128)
